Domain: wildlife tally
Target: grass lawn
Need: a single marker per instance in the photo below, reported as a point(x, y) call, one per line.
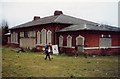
point(33, 65)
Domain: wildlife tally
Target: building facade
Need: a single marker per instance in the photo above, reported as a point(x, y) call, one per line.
point(67, 32)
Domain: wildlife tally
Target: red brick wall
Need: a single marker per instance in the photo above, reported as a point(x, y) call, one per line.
point(91, 37)
point(91, 40)
point(116, 39)
point(52, 27)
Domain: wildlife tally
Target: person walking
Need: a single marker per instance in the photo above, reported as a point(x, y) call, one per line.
point(76, 51)
point(48, 51)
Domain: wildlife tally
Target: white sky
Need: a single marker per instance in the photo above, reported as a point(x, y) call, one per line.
point(21, 11)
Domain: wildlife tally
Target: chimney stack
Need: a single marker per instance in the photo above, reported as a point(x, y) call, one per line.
point(36, 18)
point(57, 12)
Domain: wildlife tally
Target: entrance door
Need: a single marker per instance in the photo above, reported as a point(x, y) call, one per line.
point(80, 43)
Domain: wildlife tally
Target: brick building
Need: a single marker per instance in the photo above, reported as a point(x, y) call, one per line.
point(67, 32)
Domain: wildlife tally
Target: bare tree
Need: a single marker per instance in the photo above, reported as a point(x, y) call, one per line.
point(3, 31)
point(0, 36)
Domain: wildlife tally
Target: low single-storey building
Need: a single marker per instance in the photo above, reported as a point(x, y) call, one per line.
point(67, 32)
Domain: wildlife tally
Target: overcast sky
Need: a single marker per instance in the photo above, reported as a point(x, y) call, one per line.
point(21, 11)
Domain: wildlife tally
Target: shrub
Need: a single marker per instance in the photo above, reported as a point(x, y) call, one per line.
point(34, 50)
point(103, 52)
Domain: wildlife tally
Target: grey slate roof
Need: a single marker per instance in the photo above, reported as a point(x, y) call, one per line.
point(77, 24)
point(89, 27)
point(40, 21)
point(54, 19)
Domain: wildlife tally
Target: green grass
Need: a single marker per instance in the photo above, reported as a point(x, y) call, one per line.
point(33, 65)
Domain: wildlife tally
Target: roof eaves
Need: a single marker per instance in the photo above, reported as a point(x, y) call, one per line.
point(95, 28)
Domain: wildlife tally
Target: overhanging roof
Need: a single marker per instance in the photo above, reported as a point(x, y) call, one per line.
point(76, 23)
point(54, 19)
point(89, 27)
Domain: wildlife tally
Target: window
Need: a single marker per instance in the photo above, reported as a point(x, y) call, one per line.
point(21, 34)
point(31, 34)
point(105, 41)
point(43, 35)
point(60, 40)
point(38, 37)
point(11, 38)
point(26, 34)
point(80, 43)
point(49, 36)
point(8, 39)
point(14, 37)
point(80, 40)
point(69, 41)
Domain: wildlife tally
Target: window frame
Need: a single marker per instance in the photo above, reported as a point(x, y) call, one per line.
point(107, 38)
point(61, 41)
point(69, 41)
point(43, 36)
point(49, 36)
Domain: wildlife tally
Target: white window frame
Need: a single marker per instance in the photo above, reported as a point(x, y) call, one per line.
point(11, 37)
point(69, 41)
point(8, 40)
point(21, 34)
point(49, 36)
point(43, 35)
point(80, 37)
point(102, 44)
point(31, 33)
point(38, 37)
point(61, 41)
point(16, 37)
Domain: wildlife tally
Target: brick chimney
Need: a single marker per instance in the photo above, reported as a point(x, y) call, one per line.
point(57, 12)
point(36, 18)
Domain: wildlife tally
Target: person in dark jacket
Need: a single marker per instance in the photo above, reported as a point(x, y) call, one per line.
point(47, 51)
point(76, 51)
